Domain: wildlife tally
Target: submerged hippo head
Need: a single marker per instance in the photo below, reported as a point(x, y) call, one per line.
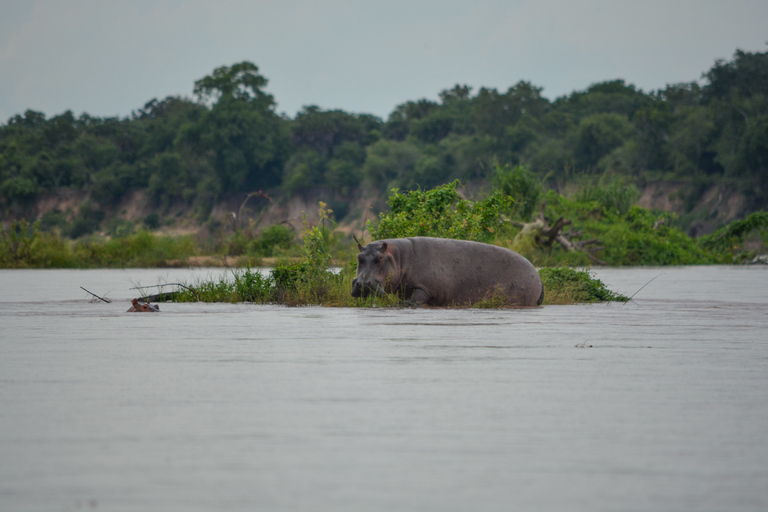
point(375, 269)
point(138, 307)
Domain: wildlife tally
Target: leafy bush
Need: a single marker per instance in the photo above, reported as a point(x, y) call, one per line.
point(53, 220)
point(638, 237)
point(440, 212)
point(272, 239)
point(237, 245)
point(614, 194)
point(16, 243)
point(563, 285)
point(251, 286)
point(87, 221)
point(522, 186)
point(730, 238)
point(118, 227)
point(152, 221)
point(19, 189)
point(141, 249)
point(24, 245)
point(245, 286)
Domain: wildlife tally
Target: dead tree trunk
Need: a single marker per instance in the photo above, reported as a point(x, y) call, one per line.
point(546, 235)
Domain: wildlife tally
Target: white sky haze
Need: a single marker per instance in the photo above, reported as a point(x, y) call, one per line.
point(108, 58)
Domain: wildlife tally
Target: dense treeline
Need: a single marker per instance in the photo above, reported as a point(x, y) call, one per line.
point(230, 139)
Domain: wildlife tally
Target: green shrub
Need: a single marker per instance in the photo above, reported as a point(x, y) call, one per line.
point(637, 237)
point(141, 249)
point(440, 212)
point(53, 220)
point(612, 193)
point(274, 238)
point(236, 245)
point(152, 221)
point(16, 243)
point(729, 240)
point(563, 285)
point(119, 227)
point(250, 286)
point(24, 245)
point(87, 221)
point(522, 186)
point(287, 277)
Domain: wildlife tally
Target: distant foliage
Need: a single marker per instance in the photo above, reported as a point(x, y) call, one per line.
point(612, 193)
point(16, 243)
point(523, 186)
point(188, 155)
point(637, 237)
point(24, 245)
point(731, 237)
point(273, 239)
point(440, 212)
point(140, 249)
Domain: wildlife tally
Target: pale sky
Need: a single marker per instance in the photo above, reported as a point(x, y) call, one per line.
point(109, 57)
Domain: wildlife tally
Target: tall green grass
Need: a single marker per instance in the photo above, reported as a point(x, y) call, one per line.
point(290, 285)
point(300, 285)
point(24, 245)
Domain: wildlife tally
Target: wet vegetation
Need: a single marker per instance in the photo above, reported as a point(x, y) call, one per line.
point(299, 286)
point(555, 180)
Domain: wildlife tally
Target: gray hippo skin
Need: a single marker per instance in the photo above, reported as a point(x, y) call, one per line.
point(443, 272)
point(137, 307)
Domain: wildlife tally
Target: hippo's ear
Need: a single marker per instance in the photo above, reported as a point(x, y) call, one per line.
point(383, 246)
point(359, 245)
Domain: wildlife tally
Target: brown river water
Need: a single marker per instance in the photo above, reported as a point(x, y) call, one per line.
point(658, 404)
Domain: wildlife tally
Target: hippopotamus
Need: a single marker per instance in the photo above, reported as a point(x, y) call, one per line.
point(444, 272)
point(137, 307)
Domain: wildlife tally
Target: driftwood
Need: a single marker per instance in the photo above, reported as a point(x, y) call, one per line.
point(546, 235)
point(100, 298)
point(238, 219)
point(164, 296)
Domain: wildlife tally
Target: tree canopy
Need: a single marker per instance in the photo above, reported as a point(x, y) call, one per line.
point(231, 140)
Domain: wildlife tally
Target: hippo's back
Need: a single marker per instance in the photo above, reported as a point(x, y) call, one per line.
point(461, 272)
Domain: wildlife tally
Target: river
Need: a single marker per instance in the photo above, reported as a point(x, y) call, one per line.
point(657, 404)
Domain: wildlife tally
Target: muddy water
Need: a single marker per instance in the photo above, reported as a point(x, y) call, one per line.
point(660, 404)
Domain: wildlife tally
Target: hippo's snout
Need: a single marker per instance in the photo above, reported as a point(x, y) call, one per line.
point(362, 288)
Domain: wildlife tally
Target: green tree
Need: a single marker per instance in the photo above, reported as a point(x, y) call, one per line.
point(398, 125)
point(303, 170)
point(522, 186)
point(241, 82)
point(611, 97)
point(325, 130)
point(248, 141)
point(390, 162)
point(494, 113)
point(598, 135)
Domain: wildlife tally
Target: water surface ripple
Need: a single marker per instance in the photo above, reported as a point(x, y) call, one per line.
point(659, 404)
